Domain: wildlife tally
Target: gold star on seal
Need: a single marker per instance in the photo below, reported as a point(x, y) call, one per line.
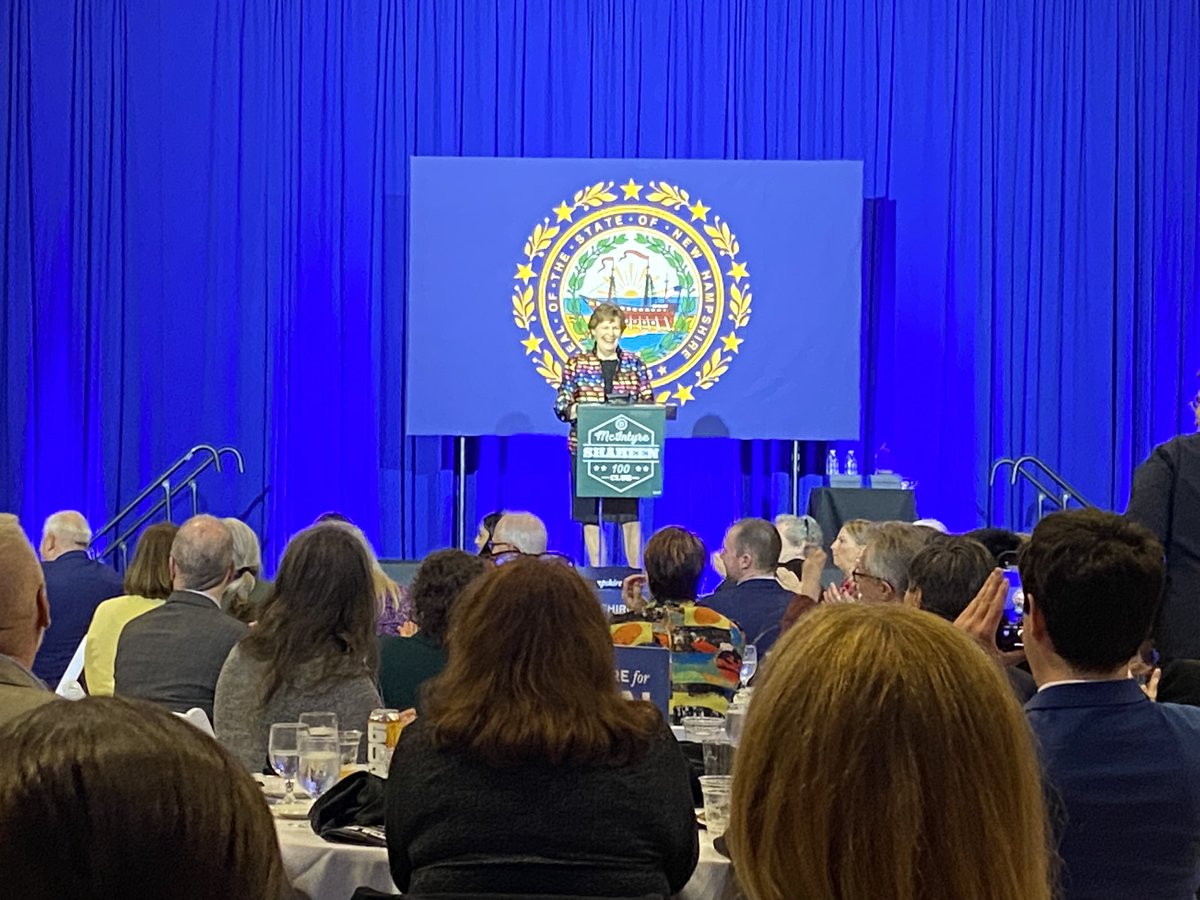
point(531, 344)
point(524, 272)
point(684, 394)
point(632, 190)
point(738, 271)
point(699, 211)
point(564, 211)
point(732, 342)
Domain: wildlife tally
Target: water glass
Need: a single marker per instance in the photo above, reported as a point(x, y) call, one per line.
point(717, 790)
point(320, 763)
point(703, 728)
point(321, 724)
point(283, 749)
point(718, 757)
point(749, 664)
point(348, 744)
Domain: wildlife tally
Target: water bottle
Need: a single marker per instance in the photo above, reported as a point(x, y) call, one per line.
point(851, 463)
point(831, 464)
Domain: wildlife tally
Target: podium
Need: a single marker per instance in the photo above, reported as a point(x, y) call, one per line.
point(619, 451)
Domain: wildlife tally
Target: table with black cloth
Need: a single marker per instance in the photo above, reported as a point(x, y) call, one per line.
point(832, 507)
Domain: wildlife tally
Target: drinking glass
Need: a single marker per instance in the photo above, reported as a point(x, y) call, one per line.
point(320, 763)
point(321, 724)
point(283, 747)
point(749, 664)
point(348, 743)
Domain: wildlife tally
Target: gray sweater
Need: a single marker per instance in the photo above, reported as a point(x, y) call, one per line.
point(243, 725)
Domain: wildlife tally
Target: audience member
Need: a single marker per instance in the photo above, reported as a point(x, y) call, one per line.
point(247, 592)
point(111, 798)
point(1125, 770)
point(405, 663)
point(800, 535)
point(75, 584)
point(884, 756)
point(750, 595)
point(24, 618)
point(393, 603)
point(945, 577)
point(706, 647)
point(485, 535)
point(147, 586)
point(528, 772)
point(1166, 499)
point(934, 525)
point(846, 549)
point(882, 572)
point(519, 532)
point(314, 647)
point(173, 654)
point(1000, 542)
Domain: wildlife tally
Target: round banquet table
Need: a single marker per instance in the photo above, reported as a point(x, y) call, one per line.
point(328, 871)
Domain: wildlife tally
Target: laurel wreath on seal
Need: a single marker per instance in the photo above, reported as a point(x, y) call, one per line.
point(670, 197)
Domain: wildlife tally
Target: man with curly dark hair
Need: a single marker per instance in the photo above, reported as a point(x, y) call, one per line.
point(407, 662)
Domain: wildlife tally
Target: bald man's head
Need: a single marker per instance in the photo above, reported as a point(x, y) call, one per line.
point(24, 612)
point(202, 555)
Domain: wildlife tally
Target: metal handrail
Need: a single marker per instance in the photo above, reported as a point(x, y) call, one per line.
point(1068, 491)
point(1020, 471)
point(119, 542)
point(157, 484)
point(237, 457)
point(991, 493)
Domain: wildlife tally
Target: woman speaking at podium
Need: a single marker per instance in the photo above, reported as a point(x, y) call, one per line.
point(607, 373)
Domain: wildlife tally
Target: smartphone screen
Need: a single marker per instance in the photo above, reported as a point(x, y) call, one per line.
point(1008, 635)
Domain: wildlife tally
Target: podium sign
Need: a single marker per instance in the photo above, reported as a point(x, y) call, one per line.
point(620, 450)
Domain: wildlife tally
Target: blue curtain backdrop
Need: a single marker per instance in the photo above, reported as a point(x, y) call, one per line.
point(204, 232)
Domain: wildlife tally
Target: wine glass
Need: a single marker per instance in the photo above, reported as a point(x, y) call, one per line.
point(749, 664)
point(321, 724)
point(283, 747)
point(320, 763)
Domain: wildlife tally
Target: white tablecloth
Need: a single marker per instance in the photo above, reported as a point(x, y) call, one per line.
point(327, 871)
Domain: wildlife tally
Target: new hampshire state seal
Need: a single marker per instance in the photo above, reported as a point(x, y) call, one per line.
point(671, 264)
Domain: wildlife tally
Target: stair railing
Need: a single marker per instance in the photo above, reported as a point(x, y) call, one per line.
point(163, 483)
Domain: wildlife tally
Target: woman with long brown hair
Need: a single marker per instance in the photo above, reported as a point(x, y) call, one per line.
point(529, 772)
point(885, 756)
point(313, 649)
point(110, 797)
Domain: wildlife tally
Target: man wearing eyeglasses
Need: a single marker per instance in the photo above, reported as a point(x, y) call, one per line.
point(1166, 499)
point(520, 532)
point(882, 571)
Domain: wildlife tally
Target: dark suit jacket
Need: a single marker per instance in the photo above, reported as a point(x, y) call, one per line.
point(1166, 499)
point(75, 586)
point(756, 605)
point(173, 654)
point(1123, 776)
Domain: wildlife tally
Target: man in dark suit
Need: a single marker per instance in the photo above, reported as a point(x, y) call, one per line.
point(173, 654)
point(76, 585)
point(1123, 773)
point(1166, 499)
point(750, 595)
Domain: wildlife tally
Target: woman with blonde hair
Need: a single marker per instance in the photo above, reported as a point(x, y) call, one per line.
point(917, 777)
point(147, 586)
